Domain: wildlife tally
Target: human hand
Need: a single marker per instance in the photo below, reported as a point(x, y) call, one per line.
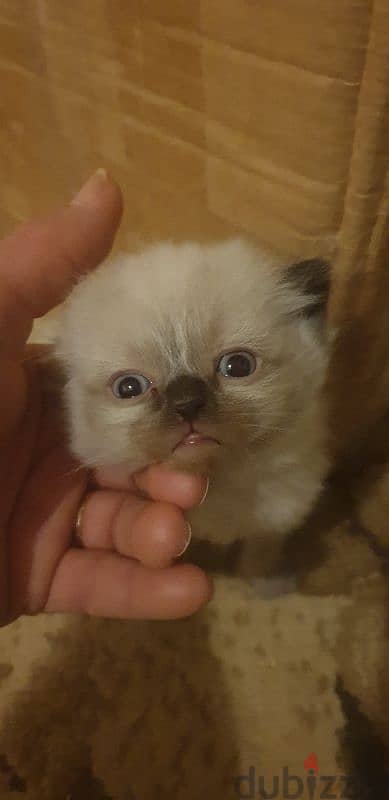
point(130, 533)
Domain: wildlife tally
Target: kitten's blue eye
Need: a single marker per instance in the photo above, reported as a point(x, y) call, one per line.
point(238, 364)
point(130, 385)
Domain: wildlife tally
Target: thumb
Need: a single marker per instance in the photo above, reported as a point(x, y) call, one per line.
point(40, 260)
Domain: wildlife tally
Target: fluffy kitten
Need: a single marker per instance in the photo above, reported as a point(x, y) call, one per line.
point(212, 359)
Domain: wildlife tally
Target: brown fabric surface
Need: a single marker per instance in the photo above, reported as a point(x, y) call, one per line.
point(361, 270)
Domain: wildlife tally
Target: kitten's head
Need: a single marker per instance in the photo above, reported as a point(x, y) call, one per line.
point(190, 354)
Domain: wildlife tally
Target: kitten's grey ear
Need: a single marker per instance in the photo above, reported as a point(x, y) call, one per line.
point(312, 278)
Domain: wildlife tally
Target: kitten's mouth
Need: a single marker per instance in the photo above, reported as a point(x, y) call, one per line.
point(195, 439)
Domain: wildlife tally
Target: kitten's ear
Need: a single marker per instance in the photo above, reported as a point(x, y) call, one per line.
point(312, 280)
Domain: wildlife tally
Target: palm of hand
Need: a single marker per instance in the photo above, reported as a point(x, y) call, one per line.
point(41, 494)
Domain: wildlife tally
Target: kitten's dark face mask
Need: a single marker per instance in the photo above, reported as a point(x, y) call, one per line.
point(192, 420)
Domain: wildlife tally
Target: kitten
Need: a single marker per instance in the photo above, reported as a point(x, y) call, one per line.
point(211, 359)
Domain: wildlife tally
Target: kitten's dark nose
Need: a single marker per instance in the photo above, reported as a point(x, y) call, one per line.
point(187, 395)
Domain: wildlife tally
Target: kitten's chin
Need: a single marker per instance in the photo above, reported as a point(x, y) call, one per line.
point(196, 458)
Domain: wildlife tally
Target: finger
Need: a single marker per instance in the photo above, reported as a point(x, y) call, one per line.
point(41, 527)
point(153, 533)
point(40, 261)
point(162, 483)
point(158, 482)
point(108, 585)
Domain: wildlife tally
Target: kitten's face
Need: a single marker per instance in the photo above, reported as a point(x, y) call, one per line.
point(186, 354)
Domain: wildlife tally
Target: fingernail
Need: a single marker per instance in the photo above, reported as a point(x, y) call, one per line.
point(204, 497)
point(188, 539)
point(78, 523)
point(87, 194)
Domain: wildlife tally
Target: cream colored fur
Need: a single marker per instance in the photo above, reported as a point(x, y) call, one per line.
point(172, 310)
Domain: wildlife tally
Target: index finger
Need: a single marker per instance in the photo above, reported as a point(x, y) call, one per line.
point(157, 482)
